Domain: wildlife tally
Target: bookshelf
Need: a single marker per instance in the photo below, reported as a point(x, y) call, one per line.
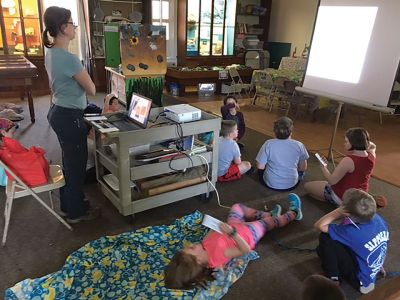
point(252, 25)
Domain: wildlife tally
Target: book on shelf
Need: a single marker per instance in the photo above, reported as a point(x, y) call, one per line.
point(242, 28)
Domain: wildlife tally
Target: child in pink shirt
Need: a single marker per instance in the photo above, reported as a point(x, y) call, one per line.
point(244, 228)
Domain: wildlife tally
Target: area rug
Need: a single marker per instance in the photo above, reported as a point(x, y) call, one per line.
point(130, 266)
point(316, 136)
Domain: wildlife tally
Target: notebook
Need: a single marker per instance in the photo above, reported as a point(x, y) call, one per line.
point(137, 116)
point(193, 145)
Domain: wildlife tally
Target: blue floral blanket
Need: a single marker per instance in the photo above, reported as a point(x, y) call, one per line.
point(129, 266)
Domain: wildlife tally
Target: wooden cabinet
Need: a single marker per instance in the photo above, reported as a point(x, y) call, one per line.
point(21, 27)
point(212, 60)
point(252, 24)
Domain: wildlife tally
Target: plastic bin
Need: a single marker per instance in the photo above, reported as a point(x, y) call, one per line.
point(206, 89)
point(174, 87)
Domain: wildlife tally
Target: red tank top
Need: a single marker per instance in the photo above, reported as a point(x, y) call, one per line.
point(359, 178)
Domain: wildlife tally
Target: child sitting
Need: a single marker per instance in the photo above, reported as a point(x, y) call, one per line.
point(229, 111)
point(355, 249)
point(230, 165)
point(281, 162)
point(194, 265)
point(353, 171)
point(111, 104)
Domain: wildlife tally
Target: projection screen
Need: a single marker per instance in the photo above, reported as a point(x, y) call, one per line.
point(355, 52)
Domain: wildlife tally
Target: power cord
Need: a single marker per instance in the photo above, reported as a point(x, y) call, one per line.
point(161, 114)
point(175, 157)
point(209, 181)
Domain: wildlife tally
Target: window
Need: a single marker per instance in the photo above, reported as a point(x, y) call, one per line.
point(74, 46)
point(21, 28)
point(160, 14)
point(210, 27)
point(163, 13)
point(21, 33)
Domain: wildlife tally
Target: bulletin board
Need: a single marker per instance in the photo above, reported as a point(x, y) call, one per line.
point(143, 50)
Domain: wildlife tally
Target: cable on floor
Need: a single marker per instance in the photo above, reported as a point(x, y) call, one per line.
point(209, 181)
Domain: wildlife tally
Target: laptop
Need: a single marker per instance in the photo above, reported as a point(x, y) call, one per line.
point(137, 116)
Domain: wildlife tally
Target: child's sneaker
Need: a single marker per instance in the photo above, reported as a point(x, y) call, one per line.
point(276, 211)
point(295, 205)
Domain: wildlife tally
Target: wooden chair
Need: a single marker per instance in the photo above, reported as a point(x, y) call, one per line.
point(16, 188)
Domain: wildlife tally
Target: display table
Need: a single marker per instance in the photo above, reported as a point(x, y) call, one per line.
point(17, 71)
point(192, 77)
point(296, 76)
point(293, 63)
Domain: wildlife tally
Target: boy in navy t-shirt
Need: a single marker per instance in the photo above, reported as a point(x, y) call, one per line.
point(354, 249)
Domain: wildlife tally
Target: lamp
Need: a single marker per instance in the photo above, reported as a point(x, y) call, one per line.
point(10, 4)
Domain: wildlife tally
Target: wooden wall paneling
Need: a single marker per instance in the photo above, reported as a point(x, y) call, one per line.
point(99, 75)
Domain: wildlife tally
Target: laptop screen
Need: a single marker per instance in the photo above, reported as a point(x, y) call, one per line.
point(139, 110)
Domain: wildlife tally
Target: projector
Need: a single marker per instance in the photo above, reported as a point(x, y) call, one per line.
point(182, 113)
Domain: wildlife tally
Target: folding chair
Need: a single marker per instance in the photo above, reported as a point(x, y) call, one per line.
point(263, 83)
point(279, 93)
point(237, 83)
point(16, 188)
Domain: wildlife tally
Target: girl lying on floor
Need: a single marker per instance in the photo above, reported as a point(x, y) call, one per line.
point(245, 226)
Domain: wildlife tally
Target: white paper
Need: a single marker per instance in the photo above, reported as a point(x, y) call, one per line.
point(212, 223)
point(96, 118)
point(320, 159)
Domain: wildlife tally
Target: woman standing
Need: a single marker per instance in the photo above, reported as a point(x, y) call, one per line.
point(69, 83)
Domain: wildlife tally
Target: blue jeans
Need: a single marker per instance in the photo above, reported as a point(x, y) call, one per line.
point(301, 177)
point(71, 132)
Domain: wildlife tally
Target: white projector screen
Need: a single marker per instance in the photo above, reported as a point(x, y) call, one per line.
point(355, 52)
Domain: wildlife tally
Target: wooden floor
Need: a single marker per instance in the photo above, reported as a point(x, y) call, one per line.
point(316, 136)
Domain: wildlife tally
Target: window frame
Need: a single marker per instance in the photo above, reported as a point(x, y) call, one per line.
point(193, 61)
point(6, 49)
point(210, 50)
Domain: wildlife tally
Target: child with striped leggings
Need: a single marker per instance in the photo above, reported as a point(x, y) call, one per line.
point(245, 226)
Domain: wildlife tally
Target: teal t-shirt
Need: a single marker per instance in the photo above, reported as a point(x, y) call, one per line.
point(61, 66)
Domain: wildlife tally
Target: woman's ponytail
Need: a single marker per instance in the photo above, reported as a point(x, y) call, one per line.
point(54, 18)
point(46, 41)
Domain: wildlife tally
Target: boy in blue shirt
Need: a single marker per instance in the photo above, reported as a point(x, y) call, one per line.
point(355, 248)
point(230, 164)
point(281, 162)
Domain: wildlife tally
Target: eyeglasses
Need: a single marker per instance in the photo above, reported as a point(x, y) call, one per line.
point(72, 23)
